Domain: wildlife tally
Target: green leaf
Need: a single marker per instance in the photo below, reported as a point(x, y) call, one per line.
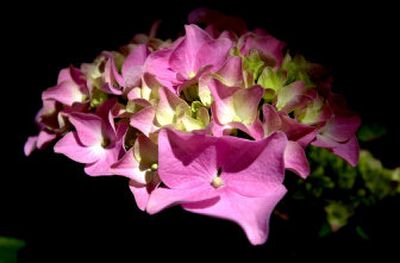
point(98, 97)
point(371, 132)
point(337, 215)
point(9, 248)
point(360, 231)
point(325, 230)
point(271, 79)
point(254, 64)
point(297, 69)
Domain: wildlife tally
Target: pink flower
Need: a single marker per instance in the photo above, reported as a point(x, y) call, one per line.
point(193, 55)
point(338, 135)
point(299, 136)
point(140, 165)
point(235, 108)
point(226, 177)
point(96, 142)
point(71, 88)
point(270, 47)
point(51, 122)
point(131, 70)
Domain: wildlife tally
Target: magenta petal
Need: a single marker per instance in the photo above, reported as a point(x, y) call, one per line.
point(180, 153)
point(88, 127)
point(141, 193)
point(115, 76)
point(213, 53)
point(292, 96)
point(350, 151)
point(296, 159)
point(251, 213)
point(110, 89)
point(66, 92)
point(143, 120)
point(44, 138)
point(226, 177)
point(251, 168)
point(157, 64)
point(103, 165)
point(162, 198)
point(128, 166)
point(132, 69)
point(232, 72)
point(30, 145)
point(267, 44)
point(296, 131)
point(183, 59)
point(64, 75)
point(272, 120)
point(254, 130)
point(341, 128)
point(234, 104)
point(70, 146)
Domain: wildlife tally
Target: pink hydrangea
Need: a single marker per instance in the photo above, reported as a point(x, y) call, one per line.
point(209, 122)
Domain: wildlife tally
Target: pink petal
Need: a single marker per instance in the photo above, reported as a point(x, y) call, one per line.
point(157, 64)
point(341, 128)
point(183, 59)
point(141, 194)
point(232, 73)
point(88, 127)
point(132, 69)
point(296, 131)
point(30, 145)
point(143, 120)
point(234, 104)
point(162, 198)
point(103, 165)
point(128, 166)
point(272, 120)
point(214, 53)
point(251, 168)
point(296, 159)
point(66, 92)
point(251, 213)
point(71, 146)
point(110, 89)
point(348, 150)
point(292, 96)
point(44, 138)
point(186, 160)
point(267, 44)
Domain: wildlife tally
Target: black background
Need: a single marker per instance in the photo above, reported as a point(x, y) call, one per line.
point(64, 215)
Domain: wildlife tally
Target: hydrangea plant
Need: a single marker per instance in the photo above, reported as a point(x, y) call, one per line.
point(209, 121)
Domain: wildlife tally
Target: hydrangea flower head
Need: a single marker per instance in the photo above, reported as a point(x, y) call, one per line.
point(209, 122)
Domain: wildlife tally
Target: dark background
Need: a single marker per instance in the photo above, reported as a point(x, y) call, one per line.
point(62, 214)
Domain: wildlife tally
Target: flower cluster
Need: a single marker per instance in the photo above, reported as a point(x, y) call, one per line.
point(209, 122)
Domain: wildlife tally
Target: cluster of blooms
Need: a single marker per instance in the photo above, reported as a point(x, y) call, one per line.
point(209, 122)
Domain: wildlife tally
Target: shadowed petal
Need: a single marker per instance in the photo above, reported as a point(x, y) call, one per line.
point(296, 159)
point(251, 213)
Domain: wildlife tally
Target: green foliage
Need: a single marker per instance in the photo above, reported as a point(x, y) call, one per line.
point(9, 248)
point(342, 189)
point(371, 132)
point(98, 97)
point(297, 68)
point(271, 79)
point(254, 64)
